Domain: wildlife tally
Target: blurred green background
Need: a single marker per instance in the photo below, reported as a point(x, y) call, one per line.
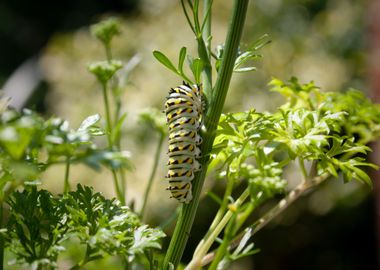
point(325, 41)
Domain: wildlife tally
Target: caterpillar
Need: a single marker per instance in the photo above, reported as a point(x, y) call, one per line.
point(184, 109)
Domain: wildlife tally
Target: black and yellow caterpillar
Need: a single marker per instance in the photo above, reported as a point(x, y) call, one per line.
point(184, 109)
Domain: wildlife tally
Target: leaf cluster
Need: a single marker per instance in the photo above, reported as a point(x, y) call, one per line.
point(308, 128)
point(29, 145)
point(39, 223)
point(314, 131)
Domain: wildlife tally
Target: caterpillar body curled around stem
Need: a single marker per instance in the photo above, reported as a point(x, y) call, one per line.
point(184, 108)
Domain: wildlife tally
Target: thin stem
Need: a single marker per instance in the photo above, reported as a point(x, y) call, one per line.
point(204, 48)
point(119, 193)
point(219, 215)
point(123, 181)
point(228, 235)
point(85, 260)
point(301, 162)
point(153, 173)
point(274, 212)
point(108, 115)
point(187, 212)
point(187, 16)
point(108, 52)
point(66, 187)
point(242, 217)
point(206, 244)
point(195, 17)
point(206, 25)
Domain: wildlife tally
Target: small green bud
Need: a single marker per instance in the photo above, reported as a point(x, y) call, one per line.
point(106, 30)
point(104, 70)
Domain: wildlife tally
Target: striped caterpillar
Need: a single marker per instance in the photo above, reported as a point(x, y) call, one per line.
point(183, 107)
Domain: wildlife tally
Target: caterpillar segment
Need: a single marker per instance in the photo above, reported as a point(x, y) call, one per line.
point(182, 112)
point(178, 149)
point(186, 136)
point(181, 192)
point(183, 109)
point(184, 162)
point(184, 122)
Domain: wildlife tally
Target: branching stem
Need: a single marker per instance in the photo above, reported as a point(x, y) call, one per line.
point(205, 244)
point(274, 212)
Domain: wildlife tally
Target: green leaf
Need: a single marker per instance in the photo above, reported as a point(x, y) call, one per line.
point(260, 42)
point(181, 59)
point(165, 61)
point(196, 66)
point(245, 69)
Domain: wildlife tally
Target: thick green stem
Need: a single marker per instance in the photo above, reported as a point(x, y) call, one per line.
point(153, 173)
point(187, 212)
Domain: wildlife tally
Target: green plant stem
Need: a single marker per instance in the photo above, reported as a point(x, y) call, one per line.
point(231, 229)
point(66, 187)
point(301, 162)
point(87, 258)
point(206, 244)
point(119, 193)
point(228, 236)
point(274, 212)
point(123, 181)
point(219, 215)
point(80, 264)
point(206, 33)
point(242, 217)
point(204, 49)
point(153, 173)
point(187, 212)
point(108, 52)
point(108, 114)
